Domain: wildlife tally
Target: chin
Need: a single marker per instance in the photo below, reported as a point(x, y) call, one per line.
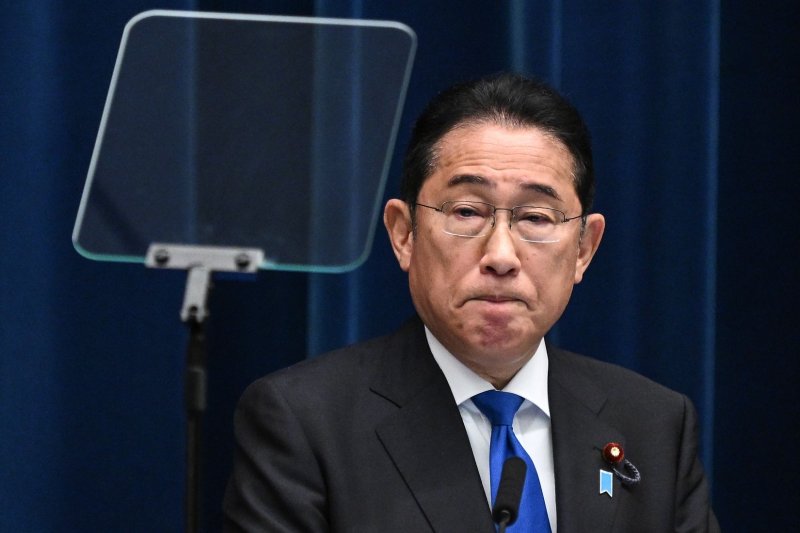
point(509, 342)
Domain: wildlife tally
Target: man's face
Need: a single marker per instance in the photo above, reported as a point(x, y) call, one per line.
point(491, 299)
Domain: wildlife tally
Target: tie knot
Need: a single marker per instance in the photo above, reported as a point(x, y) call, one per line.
point(498, 406)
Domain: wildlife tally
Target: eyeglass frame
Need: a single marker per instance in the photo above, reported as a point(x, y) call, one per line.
point(511, 218)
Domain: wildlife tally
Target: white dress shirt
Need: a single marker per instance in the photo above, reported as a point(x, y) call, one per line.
point(531, 423)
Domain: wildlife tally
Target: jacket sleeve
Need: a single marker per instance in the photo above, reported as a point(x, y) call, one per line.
point(693, 511)
point(276, 483)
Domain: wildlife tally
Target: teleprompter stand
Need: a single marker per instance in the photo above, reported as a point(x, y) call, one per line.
point(200, 262)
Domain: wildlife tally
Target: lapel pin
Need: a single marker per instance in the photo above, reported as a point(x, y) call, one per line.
point(614, 455)
point(606, 483)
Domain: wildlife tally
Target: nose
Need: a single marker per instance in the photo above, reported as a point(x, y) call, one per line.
point(500, 249)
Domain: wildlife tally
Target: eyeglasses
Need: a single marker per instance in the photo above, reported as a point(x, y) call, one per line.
point(475, 219)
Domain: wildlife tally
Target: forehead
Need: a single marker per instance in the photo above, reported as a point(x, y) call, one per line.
point(491, 156)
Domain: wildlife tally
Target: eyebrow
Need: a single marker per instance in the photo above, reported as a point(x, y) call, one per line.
point(480, 180)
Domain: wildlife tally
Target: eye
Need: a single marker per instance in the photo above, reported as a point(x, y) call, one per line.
point(537, 216)
point(463, 210)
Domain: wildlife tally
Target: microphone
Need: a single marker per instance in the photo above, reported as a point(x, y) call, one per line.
point(509, 492)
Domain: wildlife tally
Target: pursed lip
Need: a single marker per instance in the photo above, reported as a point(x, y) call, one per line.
point(499, 298)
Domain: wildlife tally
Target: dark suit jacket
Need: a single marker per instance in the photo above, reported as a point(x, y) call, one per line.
point(369, 438)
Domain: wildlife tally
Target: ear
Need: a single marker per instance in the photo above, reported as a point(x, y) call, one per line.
point(588, 244)
point(397, 219)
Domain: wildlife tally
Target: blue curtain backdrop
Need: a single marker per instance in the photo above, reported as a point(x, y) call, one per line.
point(693, 109)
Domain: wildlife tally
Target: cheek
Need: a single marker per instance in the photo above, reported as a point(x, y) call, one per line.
point(550, 273)
point(436, 269)
point(431, 254)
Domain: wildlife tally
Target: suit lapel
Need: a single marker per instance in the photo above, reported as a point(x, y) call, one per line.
point(579, 435)
point(427, 441)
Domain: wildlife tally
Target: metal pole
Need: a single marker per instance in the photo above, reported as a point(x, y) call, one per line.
point(195, 390)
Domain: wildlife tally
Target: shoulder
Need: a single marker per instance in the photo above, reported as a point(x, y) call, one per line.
point(619, 395)
point(340, 372)
point(567, 366)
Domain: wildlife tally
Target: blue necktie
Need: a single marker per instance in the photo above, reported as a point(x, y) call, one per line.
point(500, 408)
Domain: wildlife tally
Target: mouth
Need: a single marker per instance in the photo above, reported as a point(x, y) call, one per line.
point(498, 298)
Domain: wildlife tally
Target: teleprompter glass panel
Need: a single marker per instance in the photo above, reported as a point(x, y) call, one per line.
point(249, 131)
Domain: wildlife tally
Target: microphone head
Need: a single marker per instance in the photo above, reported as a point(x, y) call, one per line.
point(509, 491)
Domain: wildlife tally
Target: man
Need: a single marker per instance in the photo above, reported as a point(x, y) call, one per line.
point(391, 435)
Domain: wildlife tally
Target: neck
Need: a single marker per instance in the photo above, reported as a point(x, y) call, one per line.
point(499, 382)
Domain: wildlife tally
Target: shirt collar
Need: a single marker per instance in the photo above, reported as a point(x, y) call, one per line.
point(530, 382)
